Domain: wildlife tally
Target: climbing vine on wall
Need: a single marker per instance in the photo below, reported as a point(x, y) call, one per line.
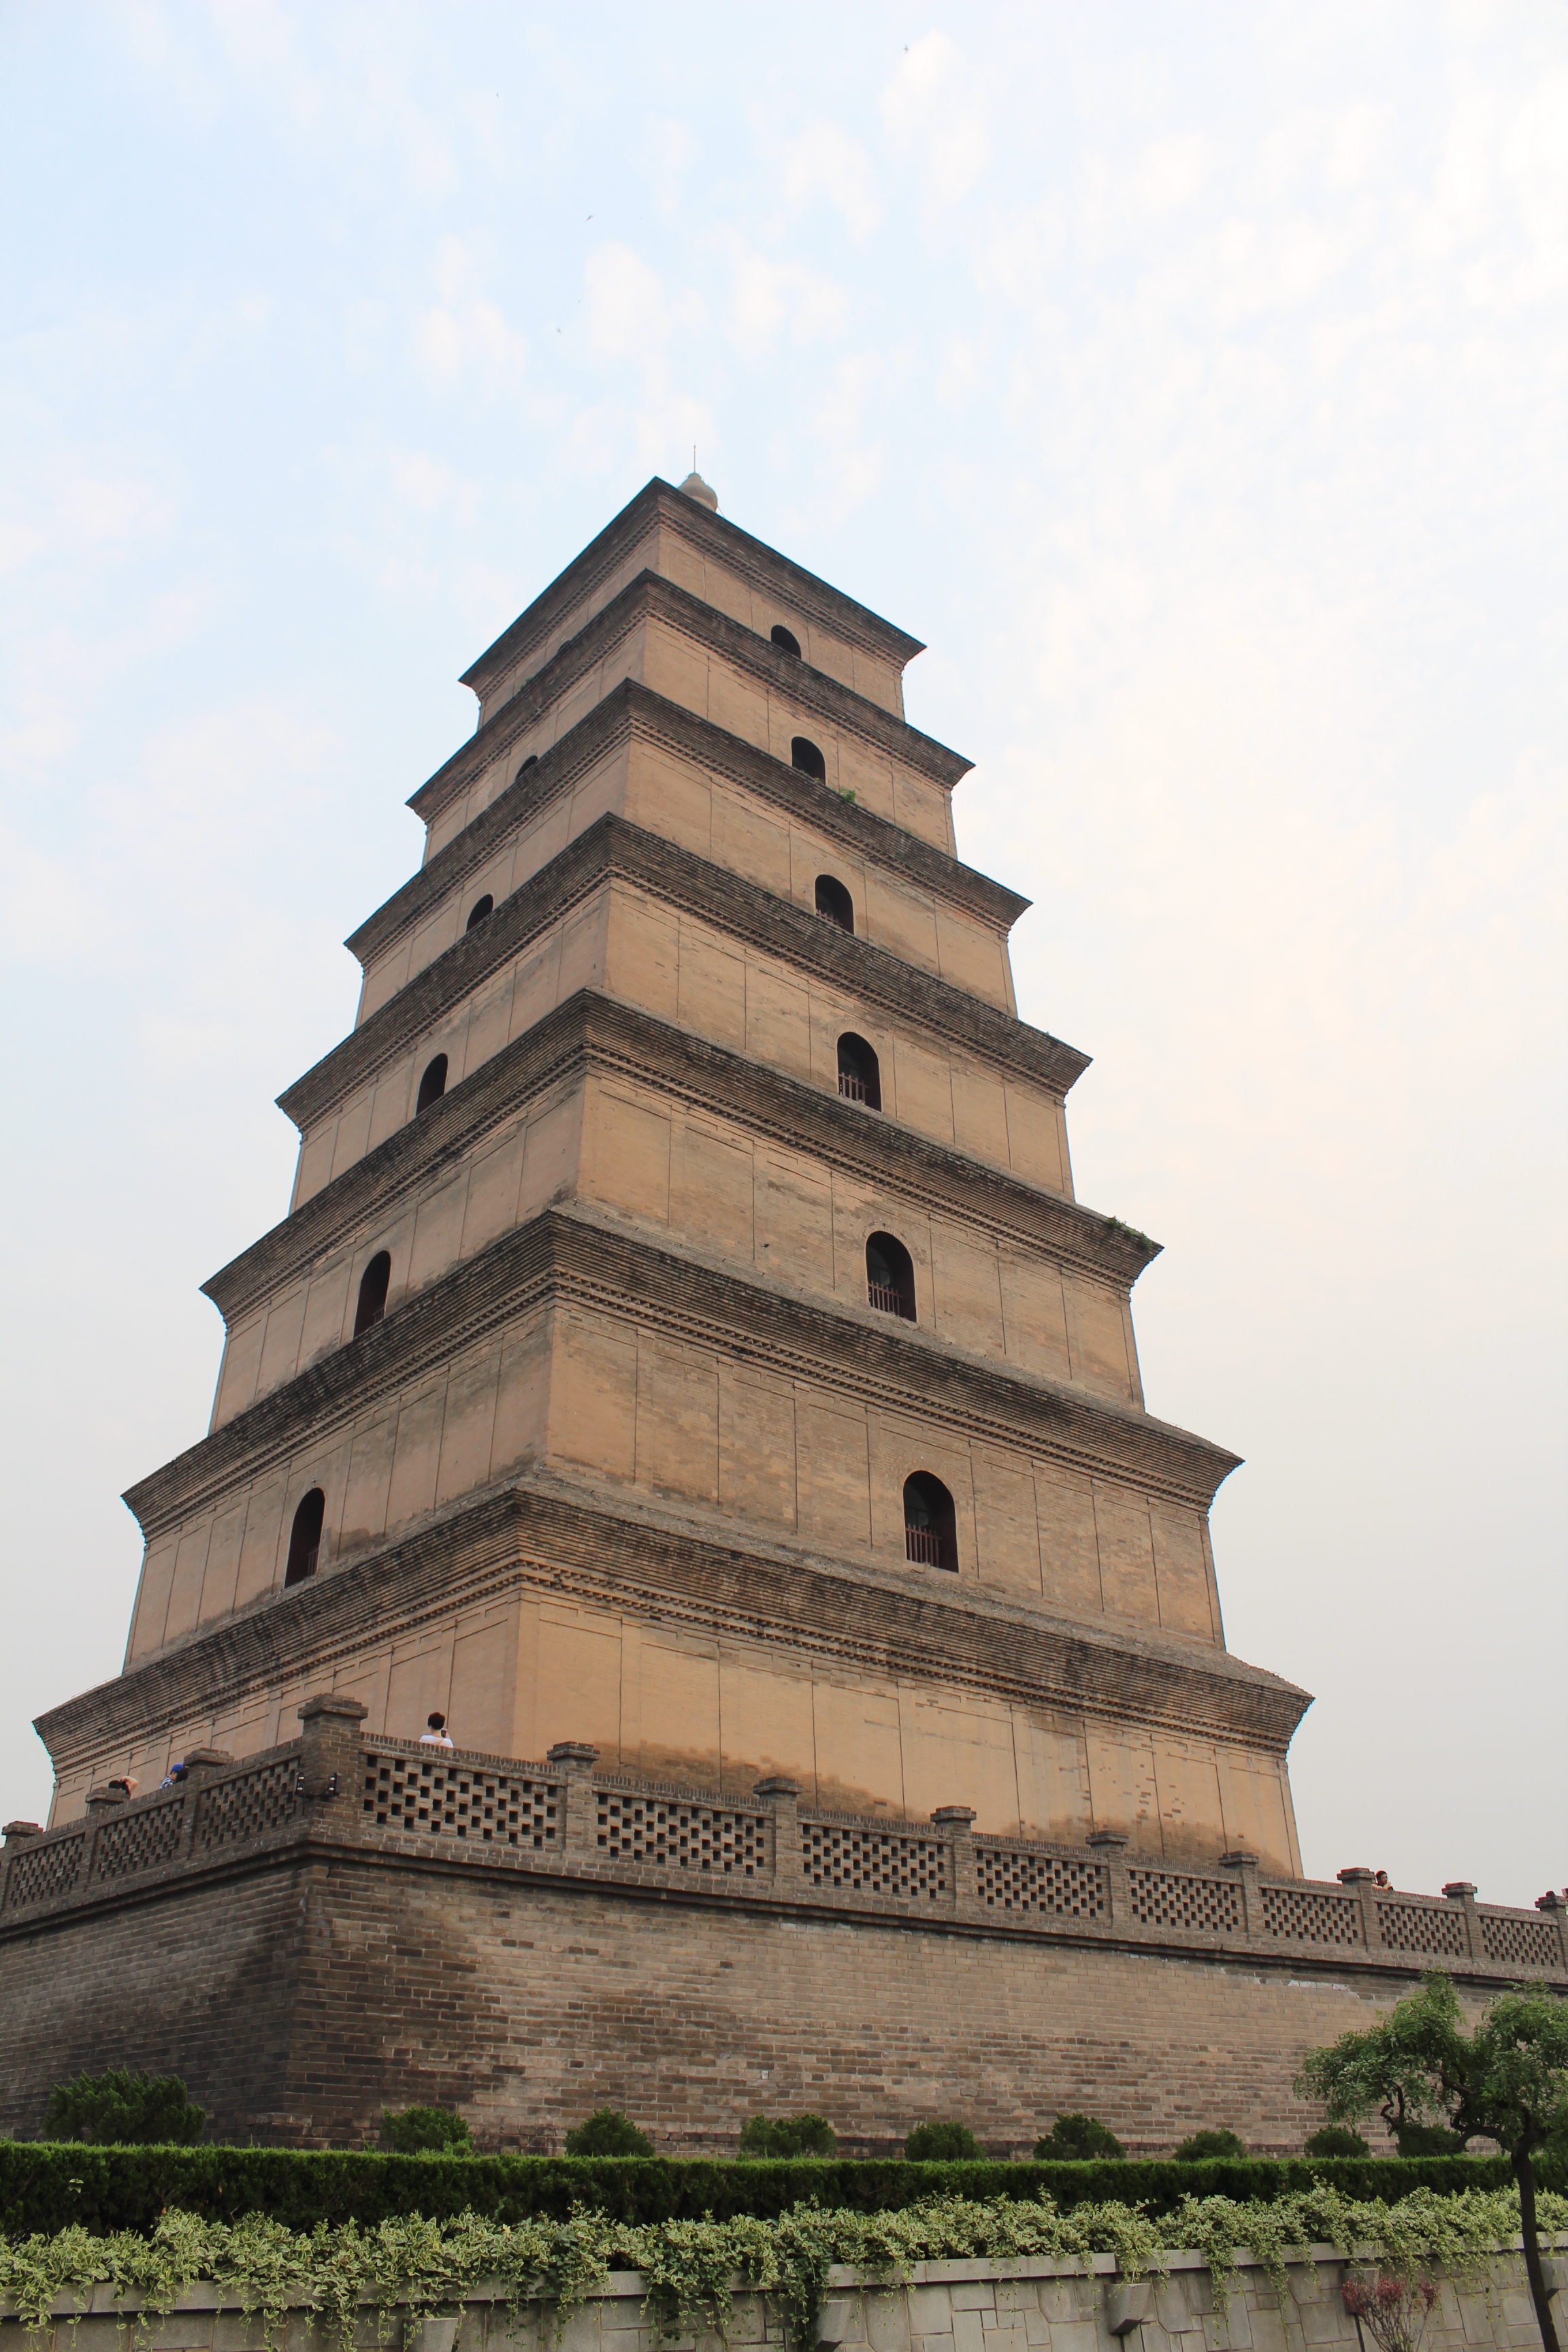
point(691, 2270)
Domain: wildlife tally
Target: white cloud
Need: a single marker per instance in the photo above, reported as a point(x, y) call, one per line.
point(826, 161)
point(625, 303)
point(929, 112)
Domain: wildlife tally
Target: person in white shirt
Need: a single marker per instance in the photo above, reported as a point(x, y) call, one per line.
point(437, 1735)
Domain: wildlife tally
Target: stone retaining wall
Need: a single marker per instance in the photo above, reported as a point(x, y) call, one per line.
point(952, 2306)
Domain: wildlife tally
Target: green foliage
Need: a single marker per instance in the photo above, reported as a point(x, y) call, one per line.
point(123, 2110)
point(1203, 2146)
point(941, 2143)
point(1425, 2139)
point(1336, 2139)
point(106, 2190)
point(608, 2132)
point(1079, 2139)
point(1419, 2069)
point(421, 2265)
point(788, 2136)
point(437, 2130)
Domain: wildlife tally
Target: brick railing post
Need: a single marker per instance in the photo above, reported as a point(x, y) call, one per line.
point(1243, 1867)
point(780, 1797)
point(330, 1750)
point(201, 1763)
point(103, 1803)
point(1110, 1849)
point(1362, 1885)
point(958, 1820)
point(15, 1834)
point(1461, 1892)
point(575, 1760)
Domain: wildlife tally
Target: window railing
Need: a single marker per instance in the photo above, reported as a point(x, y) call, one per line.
point(922, 1545)
point(888, 1301)
point(856, 1088)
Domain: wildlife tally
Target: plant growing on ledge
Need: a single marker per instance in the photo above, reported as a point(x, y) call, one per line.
point(608, 2132)
point(788, 2136)
point(1079, 2139)
point(124, 2110)
point(1506, 2082)
point(1395, 2310)
point(1208, 2147)
point(432, 2131)
point(941, 2143)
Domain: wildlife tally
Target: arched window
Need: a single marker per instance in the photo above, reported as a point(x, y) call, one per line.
point(478, 910)
point(373, 1292)
point(833, 902)
point(531, 761)
point(305, 1538)
point(931, 1526)
point(860, 1076)
point(433, 1085)
point(805, 755)
point(786, 640)
point(891, 1275)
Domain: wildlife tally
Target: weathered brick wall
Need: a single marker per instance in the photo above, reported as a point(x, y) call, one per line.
point(299, 1995)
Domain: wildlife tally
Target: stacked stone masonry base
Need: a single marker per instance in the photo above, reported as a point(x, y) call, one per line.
point(341, 1923)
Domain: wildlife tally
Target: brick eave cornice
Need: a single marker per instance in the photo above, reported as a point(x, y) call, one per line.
point(632, 709)
point(613, 846)
point(592, 1030)
point(651, 596)
point(590, 1259)
point(753, 558)
point(575, 1541)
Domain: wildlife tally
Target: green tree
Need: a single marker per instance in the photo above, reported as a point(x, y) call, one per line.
point(412, 2131)
point(786, 2136)
point(1206, 2147)
point(124, 2110)
point(608, 2132)
point(941, 2143)
point(1506, 2081)
point(1079, 2139)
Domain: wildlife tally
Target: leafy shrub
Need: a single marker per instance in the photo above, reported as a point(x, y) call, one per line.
point(608, 2132)
point(788, 2136)
point(941, 2144)
point(410, 2130)
point(124, 2110)
point(108, 2189)
point(1204, 2147)
point(1080, 2139)
point(1336, 2139)
point(1426, 2139)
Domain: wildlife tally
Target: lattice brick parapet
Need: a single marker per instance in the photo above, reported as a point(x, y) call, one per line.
point(1049, 1883)
point(1165, 1898)
point(1308, 1915)
point(874, 1862)
point(433, 1795)
point(671, 1835)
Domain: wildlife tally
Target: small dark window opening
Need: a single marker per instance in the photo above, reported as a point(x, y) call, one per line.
point(930, 1524)
point(478, 910)
point(373, 1292)
point(890, 1277)
point(531, 761)
point(305, 1540)
point(833, 902)
point(786, 640)
point(805, 755)
point(433, 1085)
point(860, 1076)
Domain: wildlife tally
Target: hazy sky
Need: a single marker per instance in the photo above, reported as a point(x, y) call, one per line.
point(1191, 377)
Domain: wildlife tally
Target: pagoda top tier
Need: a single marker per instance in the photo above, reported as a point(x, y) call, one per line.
point(665, 531)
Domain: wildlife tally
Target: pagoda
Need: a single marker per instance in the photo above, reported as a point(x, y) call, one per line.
point(683, 1339)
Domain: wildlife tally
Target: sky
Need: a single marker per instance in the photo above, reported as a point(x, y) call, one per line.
point(1191, 378)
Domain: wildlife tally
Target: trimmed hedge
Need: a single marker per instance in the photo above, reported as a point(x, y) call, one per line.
point(46, 2188)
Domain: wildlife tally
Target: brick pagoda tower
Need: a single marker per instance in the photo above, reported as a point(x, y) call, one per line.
point(683, 1337)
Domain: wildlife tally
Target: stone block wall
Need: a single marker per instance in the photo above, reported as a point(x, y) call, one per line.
point(952, 2306)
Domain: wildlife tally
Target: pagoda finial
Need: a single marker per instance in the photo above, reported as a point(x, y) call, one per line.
point(694, 487)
